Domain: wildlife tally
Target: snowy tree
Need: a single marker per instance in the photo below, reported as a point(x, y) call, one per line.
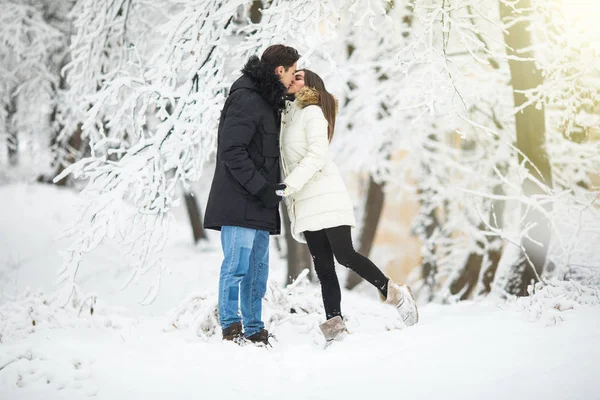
point(414, 103)
point(428, 80)
point(450, 87)
point(155, 99)
point(34, 37)
point(98, 75)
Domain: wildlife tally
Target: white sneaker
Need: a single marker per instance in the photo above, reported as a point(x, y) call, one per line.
point(402, 298)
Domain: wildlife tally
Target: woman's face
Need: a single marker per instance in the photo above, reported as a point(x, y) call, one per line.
point(297, 82)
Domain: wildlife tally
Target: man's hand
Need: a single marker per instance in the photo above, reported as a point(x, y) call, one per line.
point(268, 194)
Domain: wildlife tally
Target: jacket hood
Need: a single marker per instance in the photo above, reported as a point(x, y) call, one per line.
point(258, 77)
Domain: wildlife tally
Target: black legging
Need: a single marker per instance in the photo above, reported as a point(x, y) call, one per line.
point(330, 242)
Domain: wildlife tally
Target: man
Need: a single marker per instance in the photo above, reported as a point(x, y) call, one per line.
point(243, 203)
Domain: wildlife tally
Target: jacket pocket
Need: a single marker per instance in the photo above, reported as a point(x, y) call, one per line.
point(257, 212)
point(270, 146)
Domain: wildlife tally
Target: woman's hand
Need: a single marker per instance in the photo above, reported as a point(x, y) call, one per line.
point(287, 191)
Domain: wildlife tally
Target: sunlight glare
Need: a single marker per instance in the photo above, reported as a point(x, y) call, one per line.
point(582, 20)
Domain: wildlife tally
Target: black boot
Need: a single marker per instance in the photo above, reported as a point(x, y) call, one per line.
point(233, 332)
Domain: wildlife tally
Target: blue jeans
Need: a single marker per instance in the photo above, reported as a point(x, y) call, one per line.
point(243, 279)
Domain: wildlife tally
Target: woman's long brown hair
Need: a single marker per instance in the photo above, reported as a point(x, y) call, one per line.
point(326, 99)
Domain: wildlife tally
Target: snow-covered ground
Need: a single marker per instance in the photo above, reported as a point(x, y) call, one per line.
point(546, 347)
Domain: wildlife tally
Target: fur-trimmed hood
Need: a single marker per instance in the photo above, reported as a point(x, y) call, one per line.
point(257, 77)
point(308, 96)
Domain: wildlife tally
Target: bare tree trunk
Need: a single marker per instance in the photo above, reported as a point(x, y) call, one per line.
point(298, 255)
point(425, 226)
point(373, 209)
point(478, 272)
point(195, 217)
point(13, 149)
point(467, 279)
point(531, 138)
point(488, 271)
point(72, 148)
point(480, 269)
point(429, 269)
point(12, 141)
point(490, 265)
point(255, 11)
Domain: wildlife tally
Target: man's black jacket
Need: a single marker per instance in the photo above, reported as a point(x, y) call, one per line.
point(247, 152)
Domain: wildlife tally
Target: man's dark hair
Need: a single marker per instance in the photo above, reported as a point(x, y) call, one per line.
point(278, 54)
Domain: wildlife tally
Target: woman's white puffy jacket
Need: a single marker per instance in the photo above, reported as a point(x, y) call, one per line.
point(317, 197)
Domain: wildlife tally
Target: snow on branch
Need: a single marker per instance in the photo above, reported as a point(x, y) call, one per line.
point(152, 123)
point(426, 106)
point(34, 42)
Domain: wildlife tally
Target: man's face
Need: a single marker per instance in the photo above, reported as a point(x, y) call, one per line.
point(297, 83)
point(286, 77)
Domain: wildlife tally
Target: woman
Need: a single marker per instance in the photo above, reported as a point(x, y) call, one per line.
point(318, 203)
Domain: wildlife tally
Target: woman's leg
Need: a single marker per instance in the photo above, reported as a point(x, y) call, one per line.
point(340, 240)
point(322, 255)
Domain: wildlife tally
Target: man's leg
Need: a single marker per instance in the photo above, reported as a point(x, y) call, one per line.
point(254, 284)
point(237, 246)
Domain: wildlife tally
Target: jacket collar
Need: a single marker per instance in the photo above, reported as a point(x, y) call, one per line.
point(308, 96)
